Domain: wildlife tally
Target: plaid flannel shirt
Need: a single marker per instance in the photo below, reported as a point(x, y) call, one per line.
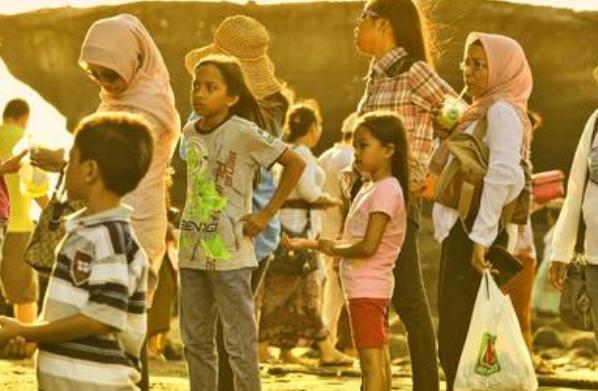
point(411, 93)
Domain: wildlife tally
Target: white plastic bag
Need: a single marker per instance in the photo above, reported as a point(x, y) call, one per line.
point(494, 356)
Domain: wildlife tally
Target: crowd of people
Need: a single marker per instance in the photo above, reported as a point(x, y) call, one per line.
point(276, 247)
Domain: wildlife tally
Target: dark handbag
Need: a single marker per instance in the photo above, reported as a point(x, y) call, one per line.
point(507, 265)
point(40, 252)
point(575, 305)
point(296, 262)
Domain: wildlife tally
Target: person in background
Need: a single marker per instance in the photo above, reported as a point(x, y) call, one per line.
point(582, 176)
point(9, 166)
point(159, 316)
point(521, 245)
point(333, 161)
point(545, 297)
point(20, 284)
point(290, 309)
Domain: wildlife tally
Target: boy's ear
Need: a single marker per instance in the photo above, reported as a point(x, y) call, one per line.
point(91, 171)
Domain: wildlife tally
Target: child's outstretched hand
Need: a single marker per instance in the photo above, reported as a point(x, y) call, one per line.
point(9, 328)
point(325, 246)
point(12, 164)
point(298, 243)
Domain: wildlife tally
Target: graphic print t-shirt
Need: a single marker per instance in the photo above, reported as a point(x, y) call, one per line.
point(221, 165)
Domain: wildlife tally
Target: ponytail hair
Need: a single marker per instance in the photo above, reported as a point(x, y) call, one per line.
point(409, 26)
point(300, 118)
point(387, 128)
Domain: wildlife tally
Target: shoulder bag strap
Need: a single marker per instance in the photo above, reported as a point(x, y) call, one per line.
point(59, 189)
point(480, 128)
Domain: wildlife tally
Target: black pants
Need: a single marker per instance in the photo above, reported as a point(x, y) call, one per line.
point(411, 304)
point(225, 372)
point(457, 291)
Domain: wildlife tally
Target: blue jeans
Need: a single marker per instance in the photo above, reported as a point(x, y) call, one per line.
point(207, 296)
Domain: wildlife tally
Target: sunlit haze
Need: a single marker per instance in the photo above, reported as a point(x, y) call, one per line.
point(13, 6)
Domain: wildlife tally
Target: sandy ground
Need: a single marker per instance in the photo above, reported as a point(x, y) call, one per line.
point(171, 376)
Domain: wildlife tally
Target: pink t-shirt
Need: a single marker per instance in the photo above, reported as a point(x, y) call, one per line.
point(372, 277)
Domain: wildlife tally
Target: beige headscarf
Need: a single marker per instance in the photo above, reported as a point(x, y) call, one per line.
point(122, 44)
point(509, 79)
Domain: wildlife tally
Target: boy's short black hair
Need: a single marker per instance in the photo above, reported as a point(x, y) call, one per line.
point(15, 109)
point(122, 146)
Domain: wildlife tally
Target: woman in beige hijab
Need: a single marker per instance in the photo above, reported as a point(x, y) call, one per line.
point(119, 54)
point(121, 57)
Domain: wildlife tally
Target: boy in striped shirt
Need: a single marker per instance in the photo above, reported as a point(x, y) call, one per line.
point(93, 323)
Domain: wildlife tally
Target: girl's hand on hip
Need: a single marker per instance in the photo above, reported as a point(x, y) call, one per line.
point(255, 223)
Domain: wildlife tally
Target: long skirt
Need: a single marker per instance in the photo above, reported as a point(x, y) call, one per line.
point(289, 310)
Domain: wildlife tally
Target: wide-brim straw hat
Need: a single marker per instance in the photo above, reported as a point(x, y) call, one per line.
point(247, 40)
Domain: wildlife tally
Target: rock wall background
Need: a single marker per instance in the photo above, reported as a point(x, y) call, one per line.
point(312, 47)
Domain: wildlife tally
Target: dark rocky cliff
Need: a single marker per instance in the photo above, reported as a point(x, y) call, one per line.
point(312, 46)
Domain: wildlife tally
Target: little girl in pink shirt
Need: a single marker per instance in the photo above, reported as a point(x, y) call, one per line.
point(373, 235)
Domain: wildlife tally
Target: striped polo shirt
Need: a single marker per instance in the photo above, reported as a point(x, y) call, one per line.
point(100, 272)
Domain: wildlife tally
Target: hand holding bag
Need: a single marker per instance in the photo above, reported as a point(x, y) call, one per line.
point(40, 252)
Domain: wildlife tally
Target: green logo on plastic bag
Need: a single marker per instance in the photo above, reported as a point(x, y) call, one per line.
point(487, 363)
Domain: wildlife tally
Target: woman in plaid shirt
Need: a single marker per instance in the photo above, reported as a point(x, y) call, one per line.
point(401, 79)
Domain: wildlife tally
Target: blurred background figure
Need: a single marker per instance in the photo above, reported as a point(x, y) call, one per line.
point(20, 285)
point(160, 315)
point(290, 310)
point(333, 161)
